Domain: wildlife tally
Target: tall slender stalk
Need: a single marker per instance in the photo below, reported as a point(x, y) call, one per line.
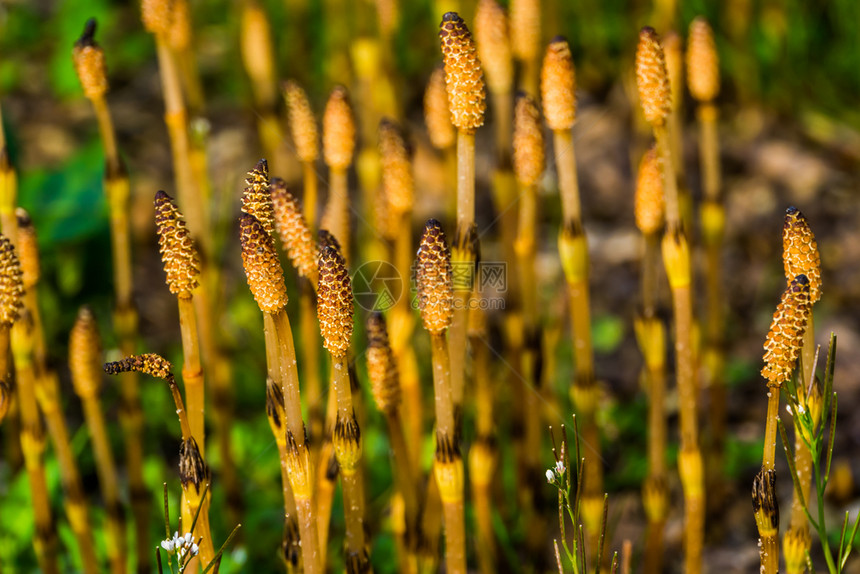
point(85, 366)
point(466, 101)
point(193, 471)
point(434, 278)
point(442, 133)
point(266, 282)
point(338, 148)
point(655, 97)
point(526, 43)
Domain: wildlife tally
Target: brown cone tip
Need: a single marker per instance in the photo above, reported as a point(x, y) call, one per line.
point(85, 360)
point(652, 78)
point(437, 116)
point(494, 46)
point(28, 249)
point(381, 365)
point(334, 302)
point(89, 62)
point(785, 338)
point(434, 279)
point(262, 266)
point(528, 141)
point(257, 197)
point(397, 179)
point(11, 283)
point(326, 238)
point(463, 75)
point(192, 468)
point(703, 64)
point(648, 202)
point(178, 251)
point(303, 126)
point(338, 125)
point(558, 85)
point(800, 252)
point(525, 28)
point(148, 363)
point(296, 237)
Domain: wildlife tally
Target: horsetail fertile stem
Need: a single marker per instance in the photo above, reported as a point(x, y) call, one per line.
point(89, 63)
point(442, 133)
point(526, 42)
point(703, 80)
point(32, 432)
point(800, 256)
point(85, 366)
point(182, 267)
point(648, 211)
point(266, 282)
point(466, 100)
point(335, 313)
point(157, 16)
point(782, 348)
point(193, 471)
point(385, 385)
point(673, 50)
point(655, 96)
point(303, 127)
point(338, 140)
point(434, 279)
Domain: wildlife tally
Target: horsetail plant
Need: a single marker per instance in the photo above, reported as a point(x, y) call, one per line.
point(32, 433)
point(782, 348)
point(338, 140)
point(434, 280)
point(525, 42)
point(493, 42)
point(194, 473)
point(440, 130)
point(655, 96)
point(384, 378)
point(266, 282)
point(464, 80)
point(335, 313)
point(303, 127)
point(85, 365)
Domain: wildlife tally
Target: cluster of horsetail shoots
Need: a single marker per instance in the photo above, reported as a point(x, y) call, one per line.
point(655, 97)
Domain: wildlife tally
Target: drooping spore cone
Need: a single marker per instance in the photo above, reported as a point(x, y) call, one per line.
point(257, 198)
point(800, 252)
point(381, 365)
point(397, 179)
point(785, 338)
point(11, 283)
point(494, 45)
point(28, 249)
point(648, 202)
point(529, 155)
point(558, 85)
point(303, 126)
point(437, 116)
point(652, 79)
point(147, 363)
point(434, 279)
point(89, 61)
point(525, 28)
point(178, 251)
point(85, 355)
point(703, 64)
point(262, 266)
point(463, 75)
point(157, 16)
point(334, 302)
point(293, 230)
point(338, 130)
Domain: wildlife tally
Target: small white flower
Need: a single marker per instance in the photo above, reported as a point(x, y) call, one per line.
point(194, 549)
point(559, 468)
point(168, 545)
point(550, 476)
